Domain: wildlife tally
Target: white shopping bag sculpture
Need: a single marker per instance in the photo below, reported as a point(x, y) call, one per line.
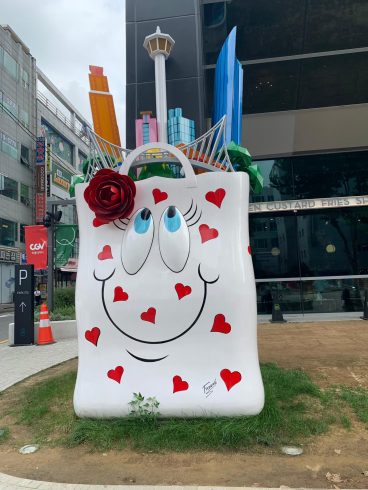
point(166, 301)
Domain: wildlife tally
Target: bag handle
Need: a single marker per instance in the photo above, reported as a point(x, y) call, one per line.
point(190, 179)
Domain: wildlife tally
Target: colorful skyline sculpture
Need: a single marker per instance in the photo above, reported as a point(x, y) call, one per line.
point(145, 129)
point(102, 106)
point(180, 129)
point(228, 93)
point(219, 148)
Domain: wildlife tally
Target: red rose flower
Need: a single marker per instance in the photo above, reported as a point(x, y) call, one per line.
point(110, 195)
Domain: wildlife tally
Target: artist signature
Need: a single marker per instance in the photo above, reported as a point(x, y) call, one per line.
point(209, 387)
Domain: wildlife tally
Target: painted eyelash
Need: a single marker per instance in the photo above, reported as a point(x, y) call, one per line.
point(195, 211)
point(193, 215)
point(189, 210)
point(195, 222)
point(121, 221)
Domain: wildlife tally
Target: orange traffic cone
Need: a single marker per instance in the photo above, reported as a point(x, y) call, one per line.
point(44, 331)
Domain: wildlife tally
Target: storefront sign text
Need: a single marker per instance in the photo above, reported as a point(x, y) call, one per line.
point(10, 255)
point(305, 204)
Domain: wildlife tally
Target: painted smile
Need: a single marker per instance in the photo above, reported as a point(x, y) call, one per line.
point(205, 283)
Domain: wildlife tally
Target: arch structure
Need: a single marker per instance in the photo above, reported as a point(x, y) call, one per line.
point(208, 152)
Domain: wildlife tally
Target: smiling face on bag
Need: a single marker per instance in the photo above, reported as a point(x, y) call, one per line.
point(158, 267)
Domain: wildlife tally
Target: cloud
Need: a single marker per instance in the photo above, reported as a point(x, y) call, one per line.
point(66, 36)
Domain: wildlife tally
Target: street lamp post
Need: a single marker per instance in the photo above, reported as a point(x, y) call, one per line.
point(159, 46)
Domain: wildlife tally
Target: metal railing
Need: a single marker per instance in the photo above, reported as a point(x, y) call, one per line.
point(208, 152)
point(76, 126)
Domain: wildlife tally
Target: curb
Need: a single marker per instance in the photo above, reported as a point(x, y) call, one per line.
point(8, 482)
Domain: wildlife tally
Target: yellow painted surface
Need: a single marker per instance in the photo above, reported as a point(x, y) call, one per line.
point(98, 82)
point(102, 107)
point(104, 117)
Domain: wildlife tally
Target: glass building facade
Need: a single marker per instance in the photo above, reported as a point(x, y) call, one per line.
point(296, 54)
point(317, 259)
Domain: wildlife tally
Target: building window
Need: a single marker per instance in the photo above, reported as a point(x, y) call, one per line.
point(8, 232)
point(60, 146)
point(81, 158)
point(318, 243)
point(24, 155)
point(24, 117)
point(24, 194)
point(335, 24)
point(333, 81)
point(10, 65)
point(300, 84)
point(268, 29)
point(9, 146)
point(8, 187)
point(314, 176)
point(269, 263)
point(9, 105)
point(25, 78)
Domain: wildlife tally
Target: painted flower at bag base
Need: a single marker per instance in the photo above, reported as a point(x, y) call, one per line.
point(110, 195)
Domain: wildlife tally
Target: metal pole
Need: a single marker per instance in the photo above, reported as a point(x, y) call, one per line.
point(161, 103)
point(50, 261)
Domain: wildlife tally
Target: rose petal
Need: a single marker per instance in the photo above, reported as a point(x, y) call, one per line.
point(110, 195)
point(130, 183)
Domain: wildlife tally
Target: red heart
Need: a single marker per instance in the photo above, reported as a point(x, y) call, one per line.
point(105, 253)
point(249, 250)
point(179, 384)
point(216, 197)
point(182, 290)
point(116, 373)
point(149, 315)
point(120, 294)
point(99, 222)
point(93, 335)
point(219, 324)
point(159, 196)
point(207, 233)
point(230, 378)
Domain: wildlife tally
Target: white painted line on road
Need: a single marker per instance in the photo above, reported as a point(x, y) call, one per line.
point(5, 316)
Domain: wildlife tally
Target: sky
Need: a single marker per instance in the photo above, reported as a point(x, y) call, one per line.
point(66, 36)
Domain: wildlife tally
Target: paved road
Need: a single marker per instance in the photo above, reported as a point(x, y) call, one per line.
point(6, 317)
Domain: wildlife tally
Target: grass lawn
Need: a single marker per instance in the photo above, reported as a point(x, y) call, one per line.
point(295, 409)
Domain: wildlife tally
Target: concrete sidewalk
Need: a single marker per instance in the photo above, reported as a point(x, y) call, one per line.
point(314, 317)
point(18, 363)
point(10, 483)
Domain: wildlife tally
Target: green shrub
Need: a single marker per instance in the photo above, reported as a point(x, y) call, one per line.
point(61, 313)
point(64, 297)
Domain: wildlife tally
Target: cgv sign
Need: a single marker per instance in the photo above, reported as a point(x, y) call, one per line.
point(36, 246)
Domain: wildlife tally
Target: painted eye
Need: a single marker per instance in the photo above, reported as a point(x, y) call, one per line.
point(137, 241)
point(174, 239)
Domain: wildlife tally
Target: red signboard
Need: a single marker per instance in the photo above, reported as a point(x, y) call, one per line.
point(40, 151)
point(40, 206)
point(36, 246)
